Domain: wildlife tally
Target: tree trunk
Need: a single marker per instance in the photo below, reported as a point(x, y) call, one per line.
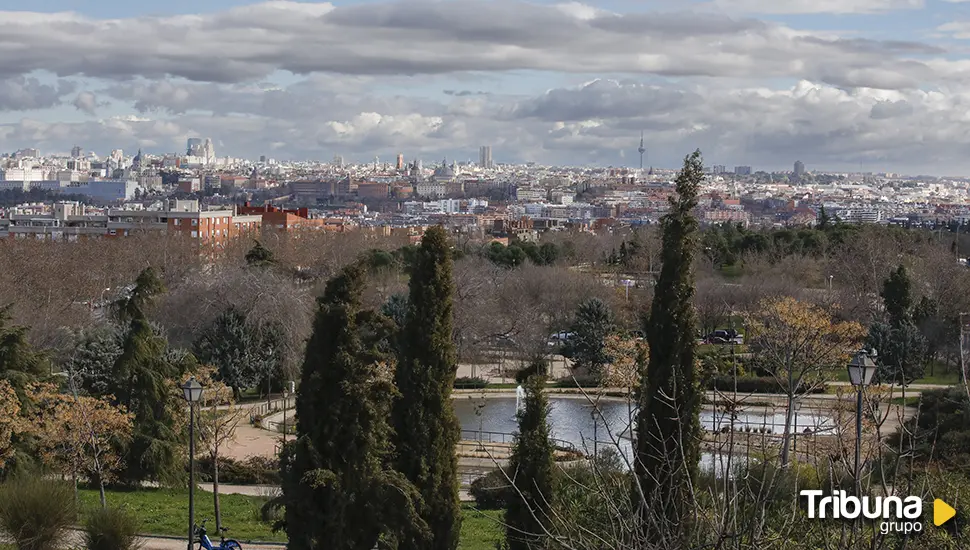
point(215, 489)
point(104, 501)
point(789, 412)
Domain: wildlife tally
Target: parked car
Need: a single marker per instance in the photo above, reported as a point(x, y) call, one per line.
point(725, 336)
point(559, 339)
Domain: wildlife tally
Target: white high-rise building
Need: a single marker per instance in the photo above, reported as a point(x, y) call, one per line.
point(193, 147)
point(209, 150)
point(485, 156)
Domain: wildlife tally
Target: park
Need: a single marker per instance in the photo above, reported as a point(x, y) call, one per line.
point(677, 388)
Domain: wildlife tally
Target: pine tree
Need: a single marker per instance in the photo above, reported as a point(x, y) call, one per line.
point(426, 425)
point(587, 345)
point(668, 428)
point(260, 256)
point(243, 355)
point(20, 363)
point(142, 381)
point(531, 470)
point(339, 490)
point(94, 356)
point(902, 349)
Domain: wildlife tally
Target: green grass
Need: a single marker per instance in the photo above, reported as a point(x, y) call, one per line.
point(907, 402)
point(165, 512)
point(941, 378)
point(480, 530)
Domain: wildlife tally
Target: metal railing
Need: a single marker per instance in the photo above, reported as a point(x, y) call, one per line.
point(483, 436)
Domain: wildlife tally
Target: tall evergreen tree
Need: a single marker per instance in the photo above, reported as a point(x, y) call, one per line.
point(902, 348)
point(668, 429)
point(20, 363)
point(339, 489)
point(426, 425)
point(897, 295)
point(531, 470)
point(142, 381)
point(587, 345)
point(243, 355)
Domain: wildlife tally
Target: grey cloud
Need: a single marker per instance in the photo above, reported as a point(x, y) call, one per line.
point(822, 125)
point(890, 109)
point(423, 37)
point(603, 99)
point(464, 93)
point(22, 93)
point(87, 102)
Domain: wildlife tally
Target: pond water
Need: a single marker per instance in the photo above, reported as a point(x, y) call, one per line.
point(571, 420)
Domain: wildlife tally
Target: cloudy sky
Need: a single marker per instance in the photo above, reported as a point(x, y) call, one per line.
point(881, 85)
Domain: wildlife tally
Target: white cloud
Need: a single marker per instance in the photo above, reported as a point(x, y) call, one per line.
point(433, 37)
point(819, 6)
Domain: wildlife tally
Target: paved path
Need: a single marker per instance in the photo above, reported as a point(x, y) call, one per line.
point(75, 539)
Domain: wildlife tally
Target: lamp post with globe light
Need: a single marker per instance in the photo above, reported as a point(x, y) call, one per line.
point(192, 392)
point(861, 369)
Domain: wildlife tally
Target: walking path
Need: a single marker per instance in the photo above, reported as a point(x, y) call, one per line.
point(75, 539)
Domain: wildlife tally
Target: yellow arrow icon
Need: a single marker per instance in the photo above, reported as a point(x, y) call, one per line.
point(942, 512)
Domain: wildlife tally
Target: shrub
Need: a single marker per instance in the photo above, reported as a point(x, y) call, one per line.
point(491, 491)
point(753, 384)
point(577, 382)
point(255, 470)
point(36, 512)
point(111, 529)
point(470, 383)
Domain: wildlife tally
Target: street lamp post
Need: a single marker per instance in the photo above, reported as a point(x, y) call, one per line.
point(192, 391)
point(288, 389)
point(861, 369)
point(592, 415)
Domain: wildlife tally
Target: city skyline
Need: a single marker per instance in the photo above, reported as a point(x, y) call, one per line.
point(860, 85)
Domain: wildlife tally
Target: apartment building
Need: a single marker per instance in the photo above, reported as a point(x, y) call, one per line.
point(71, 221)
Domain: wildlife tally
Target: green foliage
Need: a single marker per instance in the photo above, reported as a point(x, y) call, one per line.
point(470, 383)
point(19, 362)
point(517, 252)
point(492, 491)
point(36, 512)
point(254, 470)
point(425, 423)
point(589, 496)
point(902, 351)
point(667, 422)
point(143, 379)
point(260, 256)
point(244, 355)
point(940, 431)
point(396, 309)
point(594, 321)
point(339, 491)
point(111, 529)
point(94, 357)
point(531, 469)
point(897, 295)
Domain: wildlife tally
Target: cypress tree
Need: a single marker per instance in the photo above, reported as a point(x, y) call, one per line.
point(426, 425)
point(142, 381)
point(531, 470)
point(668, 429)
point(339, 490)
